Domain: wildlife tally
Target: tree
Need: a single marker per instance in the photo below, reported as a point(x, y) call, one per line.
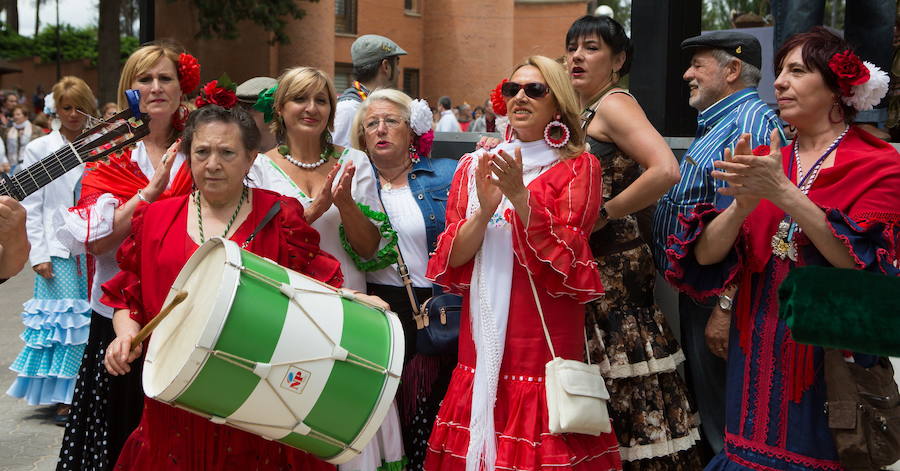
point(37, 17)
point(219, 18)
point(12, 15)
point(108, 47)
point(130, 10)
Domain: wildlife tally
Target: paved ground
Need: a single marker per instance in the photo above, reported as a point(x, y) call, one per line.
point(28, 439)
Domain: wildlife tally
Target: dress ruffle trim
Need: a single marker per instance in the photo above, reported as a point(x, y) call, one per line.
point(43, 391)
point(62, 321)
point(644, 368)
point(523, 438)
point(394, 465)
point(557, 254)
point(60, 361)
point(871, 243)
point(660, 449)
point(695, 280)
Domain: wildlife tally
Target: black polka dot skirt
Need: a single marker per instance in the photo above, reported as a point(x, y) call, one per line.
point(105, 408)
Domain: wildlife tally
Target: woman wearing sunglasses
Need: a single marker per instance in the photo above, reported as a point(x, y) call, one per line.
point(518, 220)
point(627, 334)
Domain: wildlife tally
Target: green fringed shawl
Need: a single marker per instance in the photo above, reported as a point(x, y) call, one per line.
point(842, 308)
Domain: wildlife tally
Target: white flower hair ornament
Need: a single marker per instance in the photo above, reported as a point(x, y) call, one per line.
point(420, 121)
point(870, 93)
point(863, 85)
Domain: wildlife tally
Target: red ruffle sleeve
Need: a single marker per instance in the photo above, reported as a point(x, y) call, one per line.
point(455, 279)
point(299, 248)
point(553, 246)
point(123, 291)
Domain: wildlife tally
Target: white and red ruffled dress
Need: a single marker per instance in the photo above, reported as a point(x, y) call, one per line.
point(502, 348)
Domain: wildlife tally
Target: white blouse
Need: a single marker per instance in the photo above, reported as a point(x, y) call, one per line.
point(406, 218)
point(267, 175)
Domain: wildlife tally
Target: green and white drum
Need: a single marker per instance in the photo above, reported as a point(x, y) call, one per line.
point(275, 353)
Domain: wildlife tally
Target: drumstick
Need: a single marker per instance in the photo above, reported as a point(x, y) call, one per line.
point(145, 332)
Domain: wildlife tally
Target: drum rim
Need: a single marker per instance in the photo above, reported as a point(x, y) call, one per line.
point(225, 294)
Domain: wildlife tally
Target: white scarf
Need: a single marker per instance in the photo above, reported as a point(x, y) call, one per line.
point(489, 305)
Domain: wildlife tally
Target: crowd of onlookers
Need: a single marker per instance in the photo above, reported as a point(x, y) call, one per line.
point(464, 118)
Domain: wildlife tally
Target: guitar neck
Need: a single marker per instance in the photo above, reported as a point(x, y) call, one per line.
point(40, 174)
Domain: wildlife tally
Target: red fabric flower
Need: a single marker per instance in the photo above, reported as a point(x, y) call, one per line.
point(188, 73)
point(498, 103)
point(762, 151)
point(212, 93)
point(849, 69)
point(425, 142)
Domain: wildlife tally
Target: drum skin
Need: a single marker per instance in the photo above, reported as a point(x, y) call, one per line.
point(291, 382)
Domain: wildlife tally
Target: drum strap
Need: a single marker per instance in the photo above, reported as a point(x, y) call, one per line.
point(265, 220)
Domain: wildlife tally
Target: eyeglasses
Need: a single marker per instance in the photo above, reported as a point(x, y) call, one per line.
point(533, 90)
point(391, 122)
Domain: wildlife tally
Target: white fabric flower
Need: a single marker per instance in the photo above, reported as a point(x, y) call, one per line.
point(867, 95)
point(420, 117)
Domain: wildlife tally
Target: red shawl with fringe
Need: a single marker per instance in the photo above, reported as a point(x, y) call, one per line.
point(864, 185)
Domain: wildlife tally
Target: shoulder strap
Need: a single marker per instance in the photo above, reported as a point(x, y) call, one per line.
point(537, 302)
point(402, 269)
point(265, 220)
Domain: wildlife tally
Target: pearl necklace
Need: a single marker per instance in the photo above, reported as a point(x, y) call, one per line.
point(323, 157)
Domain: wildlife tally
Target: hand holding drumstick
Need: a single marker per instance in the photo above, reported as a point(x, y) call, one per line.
point(126, 347)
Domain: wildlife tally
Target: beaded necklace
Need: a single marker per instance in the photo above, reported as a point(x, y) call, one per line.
point(783, 243)
point(323, 157)
point(244, 194)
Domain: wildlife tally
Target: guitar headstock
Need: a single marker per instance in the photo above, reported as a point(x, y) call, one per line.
point(108, 136)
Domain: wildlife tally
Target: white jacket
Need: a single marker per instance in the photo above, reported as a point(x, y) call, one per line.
point(43, 205)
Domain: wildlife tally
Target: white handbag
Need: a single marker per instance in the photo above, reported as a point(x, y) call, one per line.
point(576, 392)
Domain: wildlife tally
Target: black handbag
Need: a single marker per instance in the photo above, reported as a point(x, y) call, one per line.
point(438, 324)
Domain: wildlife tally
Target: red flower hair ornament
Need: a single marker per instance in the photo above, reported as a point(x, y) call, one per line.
point(498, 103)
point(188, 73)
point(218, 92)
point(862, 84)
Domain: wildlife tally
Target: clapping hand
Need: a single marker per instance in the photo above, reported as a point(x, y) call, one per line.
point(489, 194)
point(752, 177)
point(341, 194)
point(509, 177)
point(325, 198)
point(160, 180)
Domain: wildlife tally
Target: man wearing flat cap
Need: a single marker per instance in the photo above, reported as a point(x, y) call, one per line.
point(722, 76)
point(247, 95)
point(376, 64)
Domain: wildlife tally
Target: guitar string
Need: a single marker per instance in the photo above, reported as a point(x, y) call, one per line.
point(62, 156)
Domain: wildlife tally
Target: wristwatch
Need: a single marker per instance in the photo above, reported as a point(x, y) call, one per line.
point(604, 214)
point(725, 302)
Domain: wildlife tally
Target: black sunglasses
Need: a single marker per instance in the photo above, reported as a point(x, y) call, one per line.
point(533, 90)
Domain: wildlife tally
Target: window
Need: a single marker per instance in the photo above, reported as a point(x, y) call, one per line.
point(343, 76)
point(411, 6)
point(411, 82)
point(345, 16)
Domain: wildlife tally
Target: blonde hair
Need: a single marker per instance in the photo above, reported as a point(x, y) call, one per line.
point(142, 60)
point(396, 97)
point(77, 92)
point(302, 81)
point(566, 100)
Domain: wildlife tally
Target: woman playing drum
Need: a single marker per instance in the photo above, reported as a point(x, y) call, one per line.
point(106, 409)
point(221, 147)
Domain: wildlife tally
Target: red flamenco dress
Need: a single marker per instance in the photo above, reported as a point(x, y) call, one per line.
point(775, 399)
point(151, 258)
point(564, 201)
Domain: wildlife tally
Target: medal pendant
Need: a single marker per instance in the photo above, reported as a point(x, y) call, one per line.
point(386, 186)
point(792, 251)
point(781, 248)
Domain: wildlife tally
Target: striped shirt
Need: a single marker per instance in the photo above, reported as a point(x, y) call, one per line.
point(718, 128)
